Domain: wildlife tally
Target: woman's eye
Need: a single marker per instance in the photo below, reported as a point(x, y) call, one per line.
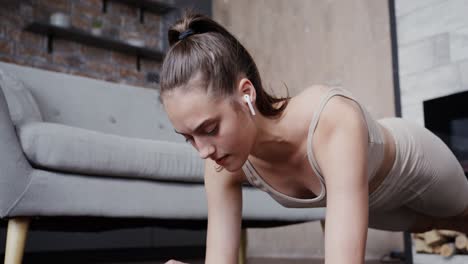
point(188, 140)
point(212, 131)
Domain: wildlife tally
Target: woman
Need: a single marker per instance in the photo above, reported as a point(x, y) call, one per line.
point(319, 148)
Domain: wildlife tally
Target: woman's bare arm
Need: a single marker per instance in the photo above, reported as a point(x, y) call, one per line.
point(224, 195)
point(343, 162)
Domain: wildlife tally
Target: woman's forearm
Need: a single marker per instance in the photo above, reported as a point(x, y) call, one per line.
point(216, 254)
point(346, 232)
point(343, 248)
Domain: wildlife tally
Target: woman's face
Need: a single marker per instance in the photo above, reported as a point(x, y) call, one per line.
point(216, 127)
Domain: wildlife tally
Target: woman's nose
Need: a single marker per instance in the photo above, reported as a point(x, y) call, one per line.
point(206, 151)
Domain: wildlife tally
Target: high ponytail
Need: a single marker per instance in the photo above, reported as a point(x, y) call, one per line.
point(208, 48)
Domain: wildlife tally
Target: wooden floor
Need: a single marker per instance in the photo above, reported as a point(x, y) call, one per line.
point(418, 259)
point(295, 261)
point(267, 261)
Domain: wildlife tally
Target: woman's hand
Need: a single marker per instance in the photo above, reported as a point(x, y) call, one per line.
point(174, 262)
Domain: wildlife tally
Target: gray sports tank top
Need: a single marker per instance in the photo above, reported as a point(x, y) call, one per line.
point(375, 157)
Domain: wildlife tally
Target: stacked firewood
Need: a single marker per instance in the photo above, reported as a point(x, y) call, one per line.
point(442, 242)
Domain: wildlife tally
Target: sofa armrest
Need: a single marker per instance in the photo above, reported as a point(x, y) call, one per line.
point(15, 170)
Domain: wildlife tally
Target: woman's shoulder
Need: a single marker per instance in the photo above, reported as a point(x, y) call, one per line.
point(313, 90)
point(337, 110)
point(308, 98)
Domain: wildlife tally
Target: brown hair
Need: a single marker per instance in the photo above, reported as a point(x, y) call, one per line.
point(220, 58)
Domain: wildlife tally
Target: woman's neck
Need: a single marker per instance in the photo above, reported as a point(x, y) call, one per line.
point(275, 141)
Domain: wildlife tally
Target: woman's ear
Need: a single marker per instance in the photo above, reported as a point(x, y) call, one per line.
point(246, 87)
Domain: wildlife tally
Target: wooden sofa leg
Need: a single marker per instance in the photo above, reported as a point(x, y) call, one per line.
point(16, 239)
point(243, 247)
point(322, 224)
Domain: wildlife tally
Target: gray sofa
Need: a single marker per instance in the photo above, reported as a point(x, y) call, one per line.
point(89, 155)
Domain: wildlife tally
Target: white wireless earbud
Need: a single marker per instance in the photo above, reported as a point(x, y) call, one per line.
point(249, 102)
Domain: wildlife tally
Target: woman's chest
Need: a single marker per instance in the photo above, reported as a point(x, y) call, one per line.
point(296, 179)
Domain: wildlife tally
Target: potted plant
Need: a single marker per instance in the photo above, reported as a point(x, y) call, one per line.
point(96, 27)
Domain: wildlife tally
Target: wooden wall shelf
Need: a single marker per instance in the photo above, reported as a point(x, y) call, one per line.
point(84, 37)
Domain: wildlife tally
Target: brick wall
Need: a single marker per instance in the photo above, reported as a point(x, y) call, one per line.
point(25, 48)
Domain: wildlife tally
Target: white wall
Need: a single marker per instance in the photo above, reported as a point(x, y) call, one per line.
point(432, 51)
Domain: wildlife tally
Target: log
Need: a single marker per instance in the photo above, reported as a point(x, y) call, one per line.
point(447, 249)
point(461, 242)
point(418, 235)
point(434, 238)
point(421, 246)
point(441, 241)
point(436, 249)
point(449, 233)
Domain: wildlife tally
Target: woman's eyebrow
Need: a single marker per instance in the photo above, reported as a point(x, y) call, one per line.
point(199, 126)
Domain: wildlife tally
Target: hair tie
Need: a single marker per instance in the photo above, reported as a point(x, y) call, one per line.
point(186, 33)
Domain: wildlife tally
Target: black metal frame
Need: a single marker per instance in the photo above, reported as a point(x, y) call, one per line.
point(408, 253)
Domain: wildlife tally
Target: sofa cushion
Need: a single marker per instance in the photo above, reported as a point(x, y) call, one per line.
point(108, 107)
point(77, 150)
point(21, 104)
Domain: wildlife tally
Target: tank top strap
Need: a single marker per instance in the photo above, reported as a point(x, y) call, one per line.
point(313, 125)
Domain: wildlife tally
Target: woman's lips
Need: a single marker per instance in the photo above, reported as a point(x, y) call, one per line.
point(221, 160)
